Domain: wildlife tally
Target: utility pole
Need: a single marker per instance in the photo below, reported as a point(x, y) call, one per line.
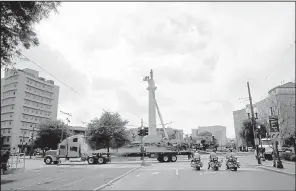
point(277, 163)
point(32, 141)
point(253, 121)
point(23, 142)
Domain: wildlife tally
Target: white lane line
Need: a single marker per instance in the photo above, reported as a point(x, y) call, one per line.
point(155, 173)
point(177, 173)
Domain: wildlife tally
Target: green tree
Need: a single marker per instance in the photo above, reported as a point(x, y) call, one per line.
point(108, 131)
point(49, 134)
point(247, 133)
point(17, 26)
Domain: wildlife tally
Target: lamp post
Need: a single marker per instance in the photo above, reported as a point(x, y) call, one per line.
point(253, 117)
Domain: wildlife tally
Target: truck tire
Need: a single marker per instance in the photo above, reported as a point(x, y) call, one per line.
point(101, 160)
point(165, 158)
point(48, 160)
point(91, 160)
point(159, 159)
point(174, 158)
point(55, 162)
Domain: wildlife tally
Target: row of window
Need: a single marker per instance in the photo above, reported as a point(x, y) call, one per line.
point(5, 116)
point(7, 108)
point(11, 79)
point(5, 131)
point(37, 97)
point(34, 118)
point(5, 123)
point(9, 93)
point(36, 111)
point(10, 86)
point(38, 84)
point(38, 105)
point(28, 125)
point(38, 91)
point(8, 101)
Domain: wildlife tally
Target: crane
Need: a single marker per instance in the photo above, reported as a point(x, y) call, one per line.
point(161, 120)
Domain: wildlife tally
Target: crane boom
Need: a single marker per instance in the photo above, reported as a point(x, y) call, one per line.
point(160, 117)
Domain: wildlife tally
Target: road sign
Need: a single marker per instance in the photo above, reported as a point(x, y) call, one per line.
point(274, 135)
point(256, 141)
point(274, 124)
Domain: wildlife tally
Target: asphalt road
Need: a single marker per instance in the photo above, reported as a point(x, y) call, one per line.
point(180, 176)
point(156, 176)
point(65, 177)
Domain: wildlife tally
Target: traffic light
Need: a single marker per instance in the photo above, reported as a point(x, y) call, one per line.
point(146, 130)
point(140, 132)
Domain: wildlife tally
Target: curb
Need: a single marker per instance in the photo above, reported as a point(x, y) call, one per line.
point(274, 170)
point(116, 179)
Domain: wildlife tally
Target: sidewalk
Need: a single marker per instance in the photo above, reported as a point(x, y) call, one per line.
point(289, 167)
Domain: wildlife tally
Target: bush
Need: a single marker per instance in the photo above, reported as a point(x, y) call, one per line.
point(293, 158)
point(288, 156)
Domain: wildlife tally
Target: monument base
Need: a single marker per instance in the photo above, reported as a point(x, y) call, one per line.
point(152, 139)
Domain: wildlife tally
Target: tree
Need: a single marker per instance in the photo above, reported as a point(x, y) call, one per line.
point(108, 131)
point(17, 26)
point(49, 134)
point(247, 133)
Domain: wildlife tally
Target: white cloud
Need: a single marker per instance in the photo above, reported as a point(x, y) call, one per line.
point(202, 55)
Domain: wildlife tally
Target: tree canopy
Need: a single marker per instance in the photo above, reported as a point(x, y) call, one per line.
point(247, 133)
point(50, 132)
point(17, 26)
point(107, 131)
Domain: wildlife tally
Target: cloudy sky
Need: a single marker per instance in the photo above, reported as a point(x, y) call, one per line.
point(202, 55)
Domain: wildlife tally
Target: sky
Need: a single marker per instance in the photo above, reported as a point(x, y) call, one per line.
point(202, 55)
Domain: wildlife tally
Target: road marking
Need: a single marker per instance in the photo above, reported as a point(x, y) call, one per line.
point(155, 173)
point(177, 172)
point(74, 182)
point(138, 175)
point(115, 179)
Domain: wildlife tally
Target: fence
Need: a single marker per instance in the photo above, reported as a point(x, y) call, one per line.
point(17, 162)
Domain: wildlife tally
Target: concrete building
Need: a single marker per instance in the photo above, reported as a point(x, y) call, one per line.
point(78, 130)
point(26, 100)
point(218, 131)
point(282, 101)
point(194, 133)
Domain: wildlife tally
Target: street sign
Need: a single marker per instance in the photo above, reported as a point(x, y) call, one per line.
point(274, 135)
point(274, 124)
point(256, 141)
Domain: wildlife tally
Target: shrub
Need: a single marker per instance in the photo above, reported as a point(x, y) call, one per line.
point(287, 155)
point(293, 158)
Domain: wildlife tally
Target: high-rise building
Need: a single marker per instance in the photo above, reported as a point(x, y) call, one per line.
point(218, 131)
point(26, 100)
point(239, 117)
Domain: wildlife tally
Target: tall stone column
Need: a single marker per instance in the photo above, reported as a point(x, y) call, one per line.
point(152, 136)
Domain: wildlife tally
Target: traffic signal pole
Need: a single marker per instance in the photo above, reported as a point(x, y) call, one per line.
point(142, 143)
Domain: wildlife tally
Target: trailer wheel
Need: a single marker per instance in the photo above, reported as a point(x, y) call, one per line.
point(101, 160)
point(48, 160)
point(174, 158)
point(90, 160)
point(165, 158)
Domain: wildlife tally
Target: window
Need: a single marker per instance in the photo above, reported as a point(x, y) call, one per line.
point(73, 149)
point(7, 139)
point(8, 130)
point(9, 122)
point(75, 140)
point(62, 146)
point(13, 93)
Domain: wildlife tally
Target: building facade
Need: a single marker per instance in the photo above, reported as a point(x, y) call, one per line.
point(218, 131)
point(280, 100)
point(26, 100)
point(194, 133)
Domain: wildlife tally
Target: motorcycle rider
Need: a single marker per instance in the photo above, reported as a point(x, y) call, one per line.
point(229, 155)
point(196, 156)
point(213, 155)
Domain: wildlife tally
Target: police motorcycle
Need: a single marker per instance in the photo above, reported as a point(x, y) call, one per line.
point(215, 164)
point(196, 163)
point(232, 163)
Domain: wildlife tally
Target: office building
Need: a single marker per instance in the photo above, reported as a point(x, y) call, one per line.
point(26, 100)
point(218, 131)
point(194, 133)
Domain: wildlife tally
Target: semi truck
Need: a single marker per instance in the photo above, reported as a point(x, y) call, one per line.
point(75, 147)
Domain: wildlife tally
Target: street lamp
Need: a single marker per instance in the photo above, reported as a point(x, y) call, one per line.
point(256, 133)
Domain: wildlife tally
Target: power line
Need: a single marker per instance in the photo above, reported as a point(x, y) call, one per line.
point(28, 59)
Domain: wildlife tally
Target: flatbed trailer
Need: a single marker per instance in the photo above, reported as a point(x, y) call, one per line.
point(165, 156)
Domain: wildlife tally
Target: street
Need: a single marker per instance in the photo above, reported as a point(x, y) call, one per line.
point(155, 176)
